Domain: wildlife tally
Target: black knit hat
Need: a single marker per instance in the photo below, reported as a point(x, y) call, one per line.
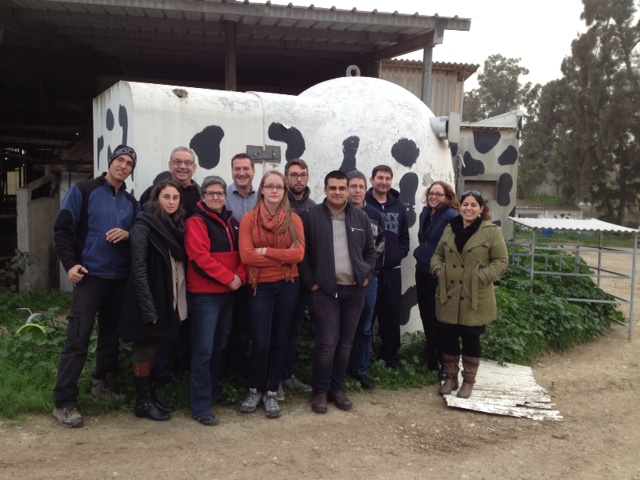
point(124, 150)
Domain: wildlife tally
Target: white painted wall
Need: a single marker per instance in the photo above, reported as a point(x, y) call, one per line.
point(153, 119)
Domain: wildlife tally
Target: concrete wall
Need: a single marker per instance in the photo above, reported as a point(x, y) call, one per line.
point(487, 159)
point(34, 225)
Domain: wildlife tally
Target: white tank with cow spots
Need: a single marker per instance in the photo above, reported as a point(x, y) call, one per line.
point(345, 123)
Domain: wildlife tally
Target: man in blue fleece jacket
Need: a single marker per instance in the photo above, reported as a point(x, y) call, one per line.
point(91, 235)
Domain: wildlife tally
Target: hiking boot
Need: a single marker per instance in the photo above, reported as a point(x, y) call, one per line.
point(365, 382)
point(280, 393)
point(251, 401)
point(295, 384)
point(107, 389)
point(271, 408)
point(208, 420)
point(68, 417)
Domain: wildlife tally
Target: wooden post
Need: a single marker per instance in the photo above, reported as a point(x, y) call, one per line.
point(427, 64)
point(230, 56)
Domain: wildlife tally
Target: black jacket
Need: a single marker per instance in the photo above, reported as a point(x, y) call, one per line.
point(318, 266)
point(149, 293)
point(301, 207)
point(396, 227)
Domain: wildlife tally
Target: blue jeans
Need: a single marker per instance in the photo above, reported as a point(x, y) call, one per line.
point(362, 342)
point(335, 319)
point(210, 323)
point(271, 311)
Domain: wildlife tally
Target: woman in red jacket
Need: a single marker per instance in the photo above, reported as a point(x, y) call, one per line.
point(271, 246)
point(213, 274)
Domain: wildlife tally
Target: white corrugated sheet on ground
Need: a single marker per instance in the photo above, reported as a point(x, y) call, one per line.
point(591, 224)
point(507, 390)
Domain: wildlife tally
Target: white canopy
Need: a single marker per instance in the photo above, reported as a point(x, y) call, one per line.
point(591, 225)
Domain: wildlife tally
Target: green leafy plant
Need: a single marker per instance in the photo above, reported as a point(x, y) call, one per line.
point(13, 268)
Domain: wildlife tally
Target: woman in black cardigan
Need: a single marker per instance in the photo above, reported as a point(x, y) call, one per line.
point(155, 300)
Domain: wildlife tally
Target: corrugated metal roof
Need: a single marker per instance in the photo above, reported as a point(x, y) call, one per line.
point(588, 225)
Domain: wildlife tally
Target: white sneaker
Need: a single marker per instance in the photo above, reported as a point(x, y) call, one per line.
point(280, 393)
point(251, 401)
point(295, 384)
point(68, 417)
point(271, 407)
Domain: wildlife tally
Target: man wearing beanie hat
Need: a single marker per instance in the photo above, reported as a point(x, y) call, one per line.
point(91, 235)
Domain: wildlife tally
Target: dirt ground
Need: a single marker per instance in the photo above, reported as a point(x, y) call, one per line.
point(387, 435)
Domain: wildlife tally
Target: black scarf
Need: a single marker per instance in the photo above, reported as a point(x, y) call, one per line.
point(462, 234)
point(170, 232)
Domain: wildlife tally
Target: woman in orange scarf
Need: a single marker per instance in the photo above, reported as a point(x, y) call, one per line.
point(271, 245)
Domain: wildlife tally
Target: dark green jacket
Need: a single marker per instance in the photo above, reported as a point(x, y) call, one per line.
point(465, 294)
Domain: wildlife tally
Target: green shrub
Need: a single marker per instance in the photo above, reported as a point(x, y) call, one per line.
point(533, 317)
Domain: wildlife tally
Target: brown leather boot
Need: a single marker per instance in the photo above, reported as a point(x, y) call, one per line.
point(451, 366)
point(319, 402)
point(340, 400)
point(469, 370)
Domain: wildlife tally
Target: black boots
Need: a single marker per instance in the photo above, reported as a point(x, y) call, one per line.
point(145, 407)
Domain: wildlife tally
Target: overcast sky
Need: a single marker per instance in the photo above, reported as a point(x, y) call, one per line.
point(539, 32)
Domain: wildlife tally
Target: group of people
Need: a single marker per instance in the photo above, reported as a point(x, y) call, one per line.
point(213, 268)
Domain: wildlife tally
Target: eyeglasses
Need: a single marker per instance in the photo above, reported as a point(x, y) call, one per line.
point(214, 194)
point(436, 194)
point(273, 187)
point(186, 163)
point(475, 193)
point(298, 176)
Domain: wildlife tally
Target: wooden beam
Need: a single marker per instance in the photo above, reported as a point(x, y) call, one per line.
point(8, 139)
point(230, 56)
point(173, 25)
point(415, 43)
point(427, 67)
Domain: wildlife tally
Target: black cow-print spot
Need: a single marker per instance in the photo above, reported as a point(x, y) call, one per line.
point(408, 188)
point(485, 140)
point(206, 144)
point(505, 184)
point(454, 149)
point(123, 121)
point(405, 152)
point(512, 213)
point(408, 300)
point(498, 223)
point(110, 120)
point(291, 136)
point(349, 149)
point(100, 148)
point(472, 167)
point(509, 156)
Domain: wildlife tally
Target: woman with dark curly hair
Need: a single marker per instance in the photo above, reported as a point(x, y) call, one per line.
point(470, 257)
point(441, 206)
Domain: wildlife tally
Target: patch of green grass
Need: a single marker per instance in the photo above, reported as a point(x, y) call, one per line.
point(534, 317)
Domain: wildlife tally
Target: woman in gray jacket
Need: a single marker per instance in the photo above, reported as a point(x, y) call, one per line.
point(470, 257)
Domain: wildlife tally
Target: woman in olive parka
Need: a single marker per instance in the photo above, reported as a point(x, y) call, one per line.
point(470, 257)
